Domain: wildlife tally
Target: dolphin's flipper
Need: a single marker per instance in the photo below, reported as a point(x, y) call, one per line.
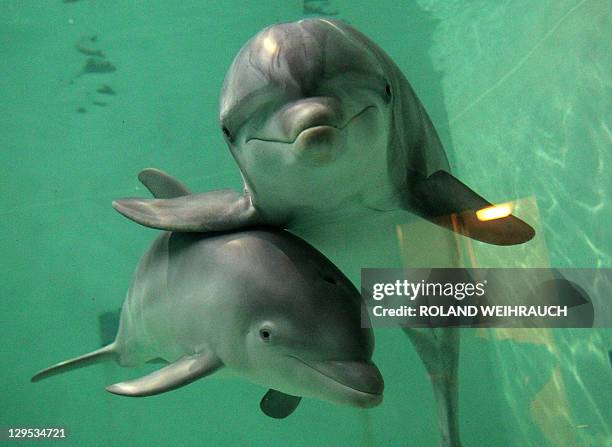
point(210, 211)
point(450, 203)
point(162, 185)
point(278, 405)
point(99, 355)
point(182, 372)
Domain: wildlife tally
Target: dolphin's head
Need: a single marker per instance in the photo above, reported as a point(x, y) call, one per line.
point(310, 100)
point(301, 329)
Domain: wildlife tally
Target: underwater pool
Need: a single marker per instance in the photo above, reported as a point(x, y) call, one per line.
point(95, 91)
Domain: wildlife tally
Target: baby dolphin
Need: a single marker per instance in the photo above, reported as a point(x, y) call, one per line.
point(260, 302)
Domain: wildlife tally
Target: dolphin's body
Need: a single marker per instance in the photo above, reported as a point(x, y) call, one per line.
point(326, 130)
point(260, 302)
point(324, 126)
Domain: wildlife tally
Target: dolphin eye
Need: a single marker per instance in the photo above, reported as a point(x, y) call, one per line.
point(388, 91)
point(265, 334)
point(330, 280)
point(226, 132)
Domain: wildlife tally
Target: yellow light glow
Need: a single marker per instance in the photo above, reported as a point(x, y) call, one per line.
point(494, 212)
point(270, 45)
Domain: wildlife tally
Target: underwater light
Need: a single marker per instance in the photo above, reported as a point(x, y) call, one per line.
point(494, 212)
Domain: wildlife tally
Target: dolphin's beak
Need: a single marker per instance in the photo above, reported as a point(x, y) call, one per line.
point(363, 379)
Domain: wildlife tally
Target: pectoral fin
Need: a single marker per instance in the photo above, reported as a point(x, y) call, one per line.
point(278, 405)
point(448, 202)
point(210, 211)
point(177, 374)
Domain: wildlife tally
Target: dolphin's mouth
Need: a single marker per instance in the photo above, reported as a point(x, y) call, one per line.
point(314, 125)
point(359, 376)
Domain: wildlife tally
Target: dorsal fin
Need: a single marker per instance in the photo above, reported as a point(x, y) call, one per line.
point(174, 208)
point(220, 210)
point(161, 184)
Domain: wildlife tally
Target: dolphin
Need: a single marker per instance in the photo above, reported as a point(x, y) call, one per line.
point(324, 125)
point(326, 129)
point(260, 302)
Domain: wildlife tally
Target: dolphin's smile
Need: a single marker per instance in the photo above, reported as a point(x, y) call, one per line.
point(362, 379)
point(316, 123)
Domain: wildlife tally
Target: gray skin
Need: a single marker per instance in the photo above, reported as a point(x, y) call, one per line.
point(260, 302)
point(325, 127)
point(333, 143)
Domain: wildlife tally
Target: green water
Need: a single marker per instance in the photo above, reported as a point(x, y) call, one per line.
point(520, 93)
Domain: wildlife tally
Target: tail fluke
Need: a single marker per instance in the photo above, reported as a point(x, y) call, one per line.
point(99, 355)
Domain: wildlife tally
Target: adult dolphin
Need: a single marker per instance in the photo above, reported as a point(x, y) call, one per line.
point(328, 134)
point(323, 125)
point(260, 302)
